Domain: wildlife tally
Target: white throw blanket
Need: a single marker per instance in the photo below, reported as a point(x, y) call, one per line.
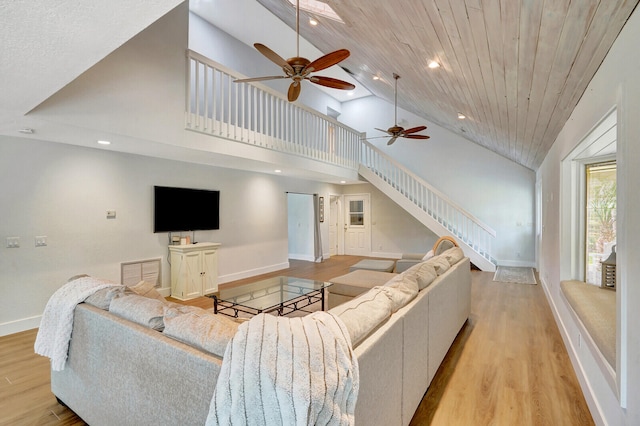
point(54, 334)
point(287, 371)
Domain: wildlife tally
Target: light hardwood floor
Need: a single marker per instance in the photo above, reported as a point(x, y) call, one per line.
point(508, 365)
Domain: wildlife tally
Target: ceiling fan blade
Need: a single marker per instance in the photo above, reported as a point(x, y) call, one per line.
point(328, 60)
point(274, 57)
point(392, 140)
point(331, 82)
point(384, 131)
point(415, 129)
point(294, 91)
point(247, 80)
point(417, 136)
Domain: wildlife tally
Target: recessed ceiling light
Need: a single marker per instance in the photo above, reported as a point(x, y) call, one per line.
point(278, 171)
point(26, 131)
point(313, 22)
point(433, 64)
point(375, 77)
point(350, 93)
point(104, 142)
point(461, 116)
point(343, 181)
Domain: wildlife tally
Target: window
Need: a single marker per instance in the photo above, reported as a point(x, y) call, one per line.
point(588, 203)
point(600, 217)
point(356, 213)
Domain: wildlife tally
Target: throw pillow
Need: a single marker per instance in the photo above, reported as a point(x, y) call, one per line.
point(453, 255)
point(75, 277)
point(103, 297)
point(440, 264)
point(401, 290)
point(139, 309)
point(364, 313)
point(199, 328)
point(444, 243)
point(426, 274)
point(146, 289)
point(428, 256)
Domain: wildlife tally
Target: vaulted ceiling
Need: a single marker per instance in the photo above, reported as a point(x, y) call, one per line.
point(514, 68)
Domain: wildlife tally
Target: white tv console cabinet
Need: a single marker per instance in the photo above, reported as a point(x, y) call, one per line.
point(194, 270)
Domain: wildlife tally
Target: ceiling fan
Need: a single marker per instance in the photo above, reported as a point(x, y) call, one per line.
point(298, 68)
point(398, 132)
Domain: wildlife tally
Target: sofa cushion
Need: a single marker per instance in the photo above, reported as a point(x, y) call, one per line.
point(374, 265)
point(440, 264)
point(146, 289)
point(364, 314)
point(103, 297)
point(357, 282)
point(200, 328)
point(453, 255)
point(401, 290)
point(425, 274)
point(139, 309)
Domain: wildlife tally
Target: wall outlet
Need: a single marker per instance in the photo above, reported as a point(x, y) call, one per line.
point(41, 241)
point(13, 242)
point(111, 214)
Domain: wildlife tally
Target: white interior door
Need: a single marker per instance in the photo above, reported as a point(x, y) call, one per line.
point(357, 225)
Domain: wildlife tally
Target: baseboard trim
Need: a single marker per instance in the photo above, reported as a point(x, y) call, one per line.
point(587, 390)
point(306, 257)
point(252, 272)
point(517, 263)
point(17, 326)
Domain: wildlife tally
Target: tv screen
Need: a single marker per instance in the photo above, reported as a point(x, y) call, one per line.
point(185, 209)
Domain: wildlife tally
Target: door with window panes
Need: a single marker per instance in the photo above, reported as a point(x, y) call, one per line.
point(357, 225)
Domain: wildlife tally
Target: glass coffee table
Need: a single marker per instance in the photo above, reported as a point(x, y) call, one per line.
point(282, 295)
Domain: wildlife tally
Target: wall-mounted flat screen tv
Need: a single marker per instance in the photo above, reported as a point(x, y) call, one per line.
point(185, 209)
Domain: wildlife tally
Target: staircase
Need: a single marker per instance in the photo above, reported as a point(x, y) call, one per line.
point(252, 113)
point(430, 207)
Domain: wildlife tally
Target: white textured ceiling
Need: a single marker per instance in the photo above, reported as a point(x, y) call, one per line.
point(48, 43)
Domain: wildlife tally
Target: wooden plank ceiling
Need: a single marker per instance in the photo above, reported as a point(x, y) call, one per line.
point(515, 68)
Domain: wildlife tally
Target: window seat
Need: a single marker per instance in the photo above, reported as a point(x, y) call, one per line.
point(596, 309)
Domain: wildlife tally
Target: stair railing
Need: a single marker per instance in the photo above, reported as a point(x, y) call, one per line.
point(253, 113)
point(457, 221)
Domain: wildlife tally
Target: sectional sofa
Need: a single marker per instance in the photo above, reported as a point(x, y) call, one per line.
point(134, 360)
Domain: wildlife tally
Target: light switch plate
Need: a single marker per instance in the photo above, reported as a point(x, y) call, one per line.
point(41, 241)
point(13, 242)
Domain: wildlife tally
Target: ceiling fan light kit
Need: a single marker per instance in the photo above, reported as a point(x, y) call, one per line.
point(299, 68)
point(396, 131)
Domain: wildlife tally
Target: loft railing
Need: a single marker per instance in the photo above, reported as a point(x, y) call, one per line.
point(254, 114)
point(460, 223)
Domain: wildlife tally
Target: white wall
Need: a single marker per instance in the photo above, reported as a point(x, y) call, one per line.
point(615, 84)
point(63, 192)
point(494, 189)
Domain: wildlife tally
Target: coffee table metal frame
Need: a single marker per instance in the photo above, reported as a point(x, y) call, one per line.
point(292, 294)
